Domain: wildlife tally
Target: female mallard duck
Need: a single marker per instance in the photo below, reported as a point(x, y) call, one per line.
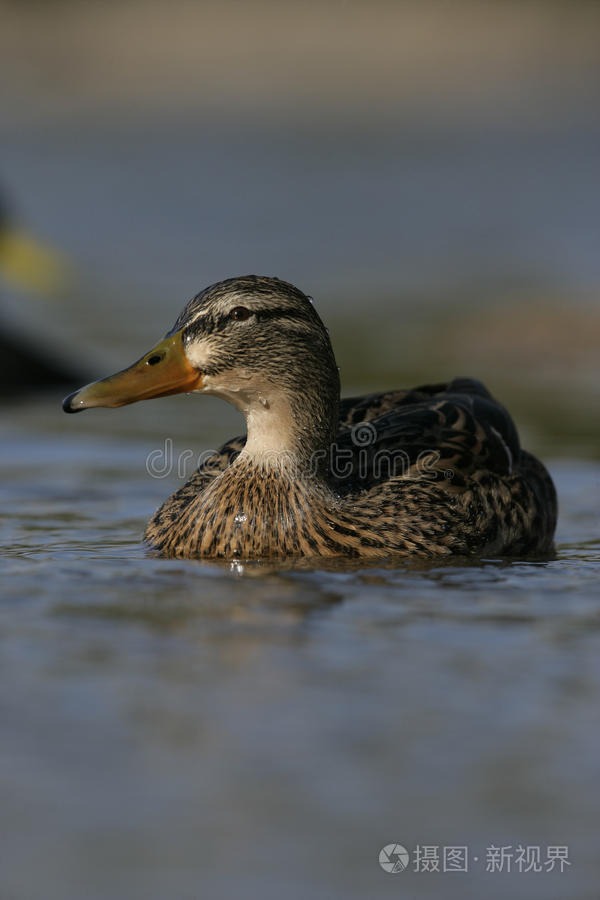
point(433, 471)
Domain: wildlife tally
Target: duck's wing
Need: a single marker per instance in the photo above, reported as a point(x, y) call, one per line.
point(449, 430)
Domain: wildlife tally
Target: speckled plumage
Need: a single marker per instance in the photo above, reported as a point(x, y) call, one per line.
point(428, 472)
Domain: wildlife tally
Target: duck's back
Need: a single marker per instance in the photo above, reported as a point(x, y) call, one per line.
point(443, 441)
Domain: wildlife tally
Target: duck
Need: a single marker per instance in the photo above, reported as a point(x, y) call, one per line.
point(429, 472)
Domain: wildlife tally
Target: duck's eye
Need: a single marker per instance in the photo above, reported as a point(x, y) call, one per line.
point(240, 313)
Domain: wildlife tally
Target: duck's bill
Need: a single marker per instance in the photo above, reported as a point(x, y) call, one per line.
point(164, 370)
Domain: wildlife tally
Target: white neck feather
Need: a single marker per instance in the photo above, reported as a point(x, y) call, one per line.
point(268, 415)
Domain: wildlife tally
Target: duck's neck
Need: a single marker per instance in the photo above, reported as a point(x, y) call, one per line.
point(288, 430)
point(289, 435)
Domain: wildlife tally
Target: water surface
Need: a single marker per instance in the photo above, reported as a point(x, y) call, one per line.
point(189, 729)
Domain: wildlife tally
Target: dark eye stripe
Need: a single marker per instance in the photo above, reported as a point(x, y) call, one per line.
point(209, 324)
point(278, 312)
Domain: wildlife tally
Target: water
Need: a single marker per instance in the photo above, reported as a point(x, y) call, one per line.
point(189, 729)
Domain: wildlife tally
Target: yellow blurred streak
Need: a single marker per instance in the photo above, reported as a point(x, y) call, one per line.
point(31, 265)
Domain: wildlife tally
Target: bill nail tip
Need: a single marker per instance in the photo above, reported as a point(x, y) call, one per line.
point(67, 404)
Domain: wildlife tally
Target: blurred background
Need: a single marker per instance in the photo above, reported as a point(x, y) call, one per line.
point(428, 171)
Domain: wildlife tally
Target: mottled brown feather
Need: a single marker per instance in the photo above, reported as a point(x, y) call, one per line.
point(467, 500)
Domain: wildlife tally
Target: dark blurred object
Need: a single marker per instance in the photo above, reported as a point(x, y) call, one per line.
point(24, 364)
point(24, 367)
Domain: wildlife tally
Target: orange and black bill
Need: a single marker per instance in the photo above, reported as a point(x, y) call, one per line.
point(164, 370)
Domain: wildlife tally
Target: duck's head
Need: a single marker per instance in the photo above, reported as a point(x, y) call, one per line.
point(257, 342)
